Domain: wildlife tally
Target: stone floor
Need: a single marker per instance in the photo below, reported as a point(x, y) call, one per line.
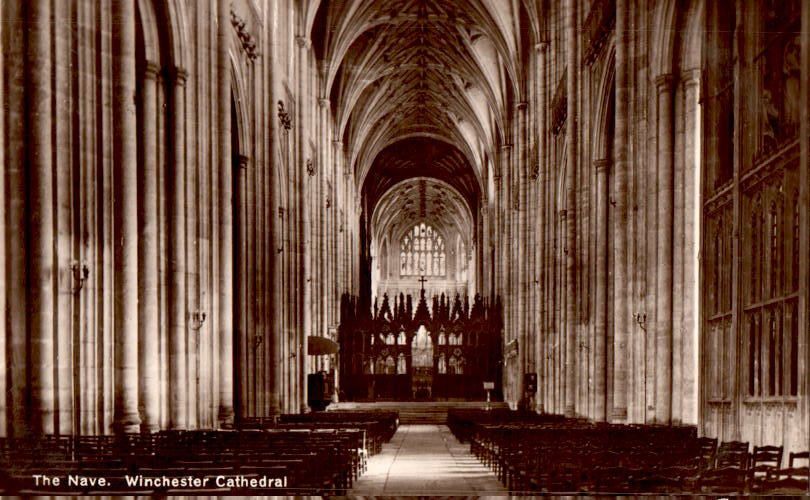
point(426, 460)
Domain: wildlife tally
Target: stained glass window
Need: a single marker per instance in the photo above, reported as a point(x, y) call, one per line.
point(422, 252)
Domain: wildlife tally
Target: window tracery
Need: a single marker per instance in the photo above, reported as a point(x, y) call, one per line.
point(422, 252)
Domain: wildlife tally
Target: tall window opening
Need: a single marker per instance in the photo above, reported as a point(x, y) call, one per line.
point(422, 252)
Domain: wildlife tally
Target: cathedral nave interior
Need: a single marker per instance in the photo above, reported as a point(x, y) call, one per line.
point(221, 215)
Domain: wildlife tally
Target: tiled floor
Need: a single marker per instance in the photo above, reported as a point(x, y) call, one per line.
point(426, 460)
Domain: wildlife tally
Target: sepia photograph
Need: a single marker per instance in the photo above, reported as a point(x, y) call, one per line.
point(361, 248)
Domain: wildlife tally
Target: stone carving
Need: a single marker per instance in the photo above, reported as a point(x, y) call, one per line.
point(559, 105)
point(244, 36)
point(310, 167)
point(283, 116)
point(597, 28)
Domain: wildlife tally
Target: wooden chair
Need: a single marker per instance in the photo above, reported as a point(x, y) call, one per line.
point(764, 460)
point(790, 481)
point(723, 480)
point(798, 456)
point(732, 454)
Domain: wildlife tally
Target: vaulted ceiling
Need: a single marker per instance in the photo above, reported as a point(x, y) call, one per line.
point(421, 88)
point(422, 199)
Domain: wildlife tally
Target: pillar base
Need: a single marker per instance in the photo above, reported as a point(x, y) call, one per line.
point(226, 418)
point(149, 428)
point(127, 426)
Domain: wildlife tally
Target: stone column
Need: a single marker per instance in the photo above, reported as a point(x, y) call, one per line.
point(125, 182)
point(572, 164)
point(542, 239)
point(689, 325)
point(621, 288)
point(148, 342)
point(663, 376)
point(178, 385)
point(64, 322)
point(600, 361)
point(306, 166)
point(495, 220)
point(521, 325)
point(5, 367)
point(225, 215)
point(15, 137)
point(40, 282)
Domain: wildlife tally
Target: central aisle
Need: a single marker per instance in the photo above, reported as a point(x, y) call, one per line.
point(425, 460)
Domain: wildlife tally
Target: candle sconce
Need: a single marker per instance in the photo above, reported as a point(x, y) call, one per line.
point(197, 319)
point(80, 274)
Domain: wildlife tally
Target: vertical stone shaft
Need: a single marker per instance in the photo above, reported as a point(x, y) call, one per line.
point(148, 342)
point(307, 180)
point(663, 376)
point(804, 195)
point(225, 215)
point(599, 377)
point(276, 132)
point(4, 366)
point(15, 137)
point(178, 385)
point(192, 193)
point(64, 320)
point(40, 217)
point(125, 182)
point(689, 358)
point(571, 216)
point(522, 236)
point(621, 292)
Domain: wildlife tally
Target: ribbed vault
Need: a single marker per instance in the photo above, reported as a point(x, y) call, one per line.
point(395, 69)
point(422, 199)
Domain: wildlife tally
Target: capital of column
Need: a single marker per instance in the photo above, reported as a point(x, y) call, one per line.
point(151, 70)
point(522, 106)
point(303, 42)
point(664, 82)
point(541, 46)
point(506, 147)
point(243, 161)
point(690, 77)
point(178, 75)
point(602, 165)
point(324, 103)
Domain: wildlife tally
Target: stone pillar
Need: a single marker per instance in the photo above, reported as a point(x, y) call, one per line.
point(689, 324)
point(178, 385)
point(15, 137)
point(148, 342)
point(521, 324)
point(495, 220)
point(306, 168)
point(64, 324)
point(5, 367)
point(225, 216)
point(40, 280)
point(125, 179)
point(663, 376)
point(621, 288)
point(572, 164)
point(600, 361)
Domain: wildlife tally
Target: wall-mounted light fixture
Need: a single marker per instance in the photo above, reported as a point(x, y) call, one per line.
point(197, 319)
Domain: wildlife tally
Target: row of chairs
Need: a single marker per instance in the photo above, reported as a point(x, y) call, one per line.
point(548, 453)
point(307, 458)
